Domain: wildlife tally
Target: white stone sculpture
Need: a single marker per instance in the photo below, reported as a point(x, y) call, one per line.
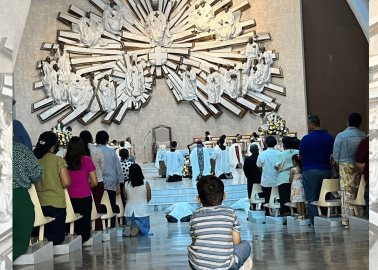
point(158, 29)
point(47, 68)
point(80, 91)
point(58, 87)
point(124, 13)
point(245, 77)
point(214, 86)
point(106, 94)
point(203, 15)
point(63, 60)
point(111, 19)
point(252, 49)
point(189, 84)
point(256, 82)
point(90, 31)
point(227, 25)
point(137, 80)
point(266, 62)
point(232, 79)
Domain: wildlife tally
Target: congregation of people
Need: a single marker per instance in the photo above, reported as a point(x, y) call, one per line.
point(90, 168)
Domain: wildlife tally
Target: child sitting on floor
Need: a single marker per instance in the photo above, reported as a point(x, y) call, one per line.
point(215, 231)
point(297, 192)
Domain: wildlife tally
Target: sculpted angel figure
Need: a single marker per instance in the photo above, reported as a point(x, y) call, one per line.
point(214, 86)
point(189, 84)
point(231, 82)
point(227, 24)
point(157, 27)
point(106, 94)
point(203, 14)
point(89, 30)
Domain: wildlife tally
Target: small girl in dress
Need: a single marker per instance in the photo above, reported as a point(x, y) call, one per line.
point(297, 191)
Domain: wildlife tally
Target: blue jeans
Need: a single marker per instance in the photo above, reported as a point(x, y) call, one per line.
point(312, 183)
point(242, 251)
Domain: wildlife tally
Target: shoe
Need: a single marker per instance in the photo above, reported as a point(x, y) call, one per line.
point(134, 230)
point(247, 265)
point(127, 230)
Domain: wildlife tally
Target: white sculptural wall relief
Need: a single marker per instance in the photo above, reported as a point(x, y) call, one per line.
point(107, 64)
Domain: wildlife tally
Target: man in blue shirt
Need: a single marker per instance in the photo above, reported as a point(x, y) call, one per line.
point(315, 150)
point(344, 153)
point(112, 176)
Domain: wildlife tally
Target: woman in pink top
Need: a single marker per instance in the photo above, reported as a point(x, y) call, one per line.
point(83, 177)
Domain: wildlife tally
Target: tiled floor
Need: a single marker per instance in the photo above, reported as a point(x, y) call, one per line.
point(273, 247)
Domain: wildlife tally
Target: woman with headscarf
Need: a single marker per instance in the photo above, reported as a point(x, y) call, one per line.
point(50, 189)
point(137, 194)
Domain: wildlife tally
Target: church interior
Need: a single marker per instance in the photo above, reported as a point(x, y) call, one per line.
point(131, 116)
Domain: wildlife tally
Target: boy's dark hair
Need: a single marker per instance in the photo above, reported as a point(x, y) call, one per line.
point(355, 120)
point(122, 143)
point(287, 142)
point(271, 141)
point(173, 144)
point(221, 141)
point(210, 190)
point(102, 137)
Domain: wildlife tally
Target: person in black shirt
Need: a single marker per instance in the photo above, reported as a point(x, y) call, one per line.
point(251, 170)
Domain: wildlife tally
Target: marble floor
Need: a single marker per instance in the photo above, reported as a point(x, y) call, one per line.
point(273, 247)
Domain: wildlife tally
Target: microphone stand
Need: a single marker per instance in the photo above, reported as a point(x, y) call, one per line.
point(144, 147)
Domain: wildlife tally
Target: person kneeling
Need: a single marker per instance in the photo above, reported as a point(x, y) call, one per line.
point(215, 231)
point(174, 160)
point(179, 211)
point(137, 194)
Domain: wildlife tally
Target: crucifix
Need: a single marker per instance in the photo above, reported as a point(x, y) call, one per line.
point(262, 112)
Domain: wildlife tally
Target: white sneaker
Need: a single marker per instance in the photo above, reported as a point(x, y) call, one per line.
point(247, 265)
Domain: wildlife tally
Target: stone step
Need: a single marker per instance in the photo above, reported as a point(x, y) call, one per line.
point(96, 238)
point(327, 222)
point(109, 234)
point(70, 244)
point(358, 223)
point(37, 253)
point(256, 217)
point(279, 220)
point(293, 221)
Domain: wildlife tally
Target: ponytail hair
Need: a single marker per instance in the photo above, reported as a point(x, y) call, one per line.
point(298, 160)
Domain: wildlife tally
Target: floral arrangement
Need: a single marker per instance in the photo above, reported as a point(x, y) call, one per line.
point(187, 170)
point(275, 125)
point(64, 134)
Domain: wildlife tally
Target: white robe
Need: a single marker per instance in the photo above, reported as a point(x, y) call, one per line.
point(180, 210)
point(195, 165)
point(233, 157)
point(222, 164)
point(175, 162)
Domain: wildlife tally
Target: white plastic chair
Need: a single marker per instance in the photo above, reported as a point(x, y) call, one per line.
point(328, 186)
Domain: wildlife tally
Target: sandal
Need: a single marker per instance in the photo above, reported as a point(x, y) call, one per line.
point(127, 230)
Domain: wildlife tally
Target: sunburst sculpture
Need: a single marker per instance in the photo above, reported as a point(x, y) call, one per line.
point(107, 64)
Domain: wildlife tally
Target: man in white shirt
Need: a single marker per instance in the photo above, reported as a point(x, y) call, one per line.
point(266, 162)
point(200, 161)
point(174, 160)
point(222, 161)
point(179, 211)
point(121, 146)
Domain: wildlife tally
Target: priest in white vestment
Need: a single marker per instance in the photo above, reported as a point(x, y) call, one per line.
point(200, 161)
point(235, 155)
point(222, 163)
point(174, 160)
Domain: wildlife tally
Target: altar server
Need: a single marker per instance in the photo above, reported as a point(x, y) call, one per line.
point(174, 160)
point(200, 161)
point(235, 155)
point(222, 163)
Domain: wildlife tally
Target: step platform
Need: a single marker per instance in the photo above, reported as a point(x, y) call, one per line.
point(96, 238)
point(70, 244)
point(327, 222)
point(358, 223)
point(37, 253)
point(293, 221)
point(256, 217)
point(120, 231)
point(278, 220)
point(109, 234)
